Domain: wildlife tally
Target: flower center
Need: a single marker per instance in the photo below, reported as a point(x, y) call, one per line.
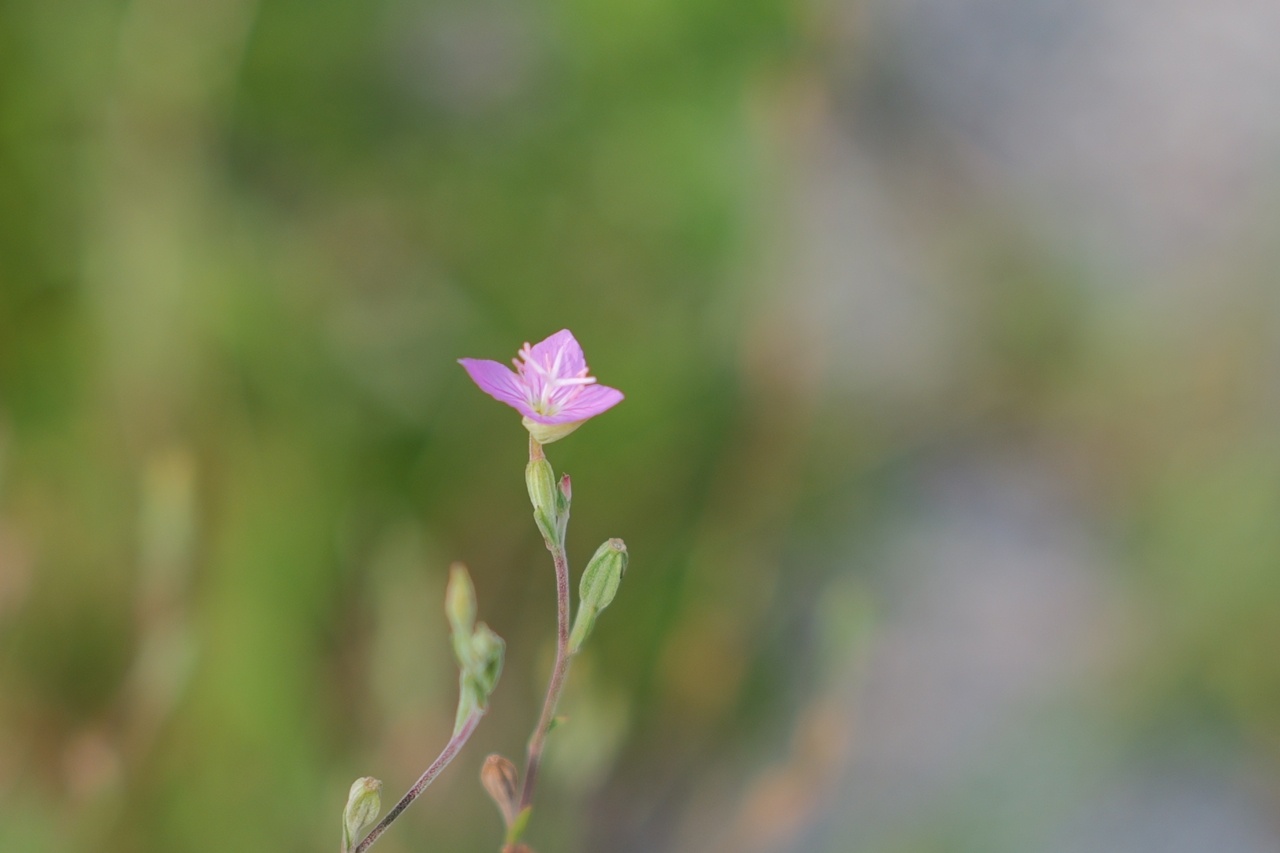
point(548, 391)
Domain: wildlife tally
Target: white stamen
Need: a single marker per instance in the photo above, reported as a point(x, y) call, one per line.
point(551, 383)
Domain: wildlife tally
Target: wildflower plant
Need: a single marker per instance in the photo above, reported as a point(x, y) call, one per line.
point(554, 392)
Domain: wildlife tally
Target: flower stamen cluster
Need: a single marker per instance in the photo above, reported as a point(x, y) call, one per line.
point(544, 382)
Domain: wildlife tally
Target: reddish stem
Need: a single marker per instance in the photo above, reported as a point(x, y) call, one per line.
point(450, 750)
point(558, 673)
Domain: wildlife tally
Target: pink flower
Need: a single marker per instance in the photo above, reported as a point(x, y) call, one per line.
point(549, 386)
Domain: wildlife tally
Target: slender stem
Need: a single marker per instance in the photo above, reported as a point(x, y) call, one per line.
point(450, 750)
point(558, 674)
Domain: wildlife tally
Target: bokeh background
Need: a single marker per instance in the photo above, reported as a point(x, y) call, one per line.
point(949, 466)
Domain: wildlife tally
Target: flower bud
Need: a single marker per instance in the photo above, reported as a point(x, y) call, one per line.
point(563, 500)
point(598, 587)
point(478, 649)
point(545, 498)
point(480, 664)
point(500, 779)
point(547, 433)
point(363, 805)
point(487, 649)
point(460, 600)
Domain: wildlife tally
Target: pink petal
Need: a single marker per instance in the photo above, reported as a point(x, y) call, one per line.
point(565, 346)
point(499, 382)
point(593, 400)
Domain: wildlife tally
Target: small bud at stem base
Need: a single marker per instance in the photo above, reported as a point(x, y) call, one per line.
point(500, 779)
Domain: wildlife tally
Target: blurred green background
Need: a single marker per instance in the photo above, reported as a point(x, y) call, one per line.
point(949, 464)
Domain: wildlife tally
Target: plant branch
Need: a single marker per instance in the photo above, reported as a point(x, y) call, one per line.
point(450, 750)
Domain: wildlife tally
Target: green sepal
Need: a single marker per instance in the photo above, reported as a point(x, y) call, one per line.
point(564, 497)
point(547, 433)
point(518, 825)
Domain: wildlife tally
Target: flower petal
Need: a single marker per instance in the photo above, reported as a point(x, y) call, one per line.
point(499, 382)
point(591, 401)
point(564, 347)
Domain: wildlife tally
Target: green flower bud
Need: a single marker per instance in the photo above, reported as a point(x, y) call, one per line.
point(480, 665)
point(598, 587)
point(487, 649)
point(478, 650)
point(363, 805)
point(545, 498)
point(460, 600)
